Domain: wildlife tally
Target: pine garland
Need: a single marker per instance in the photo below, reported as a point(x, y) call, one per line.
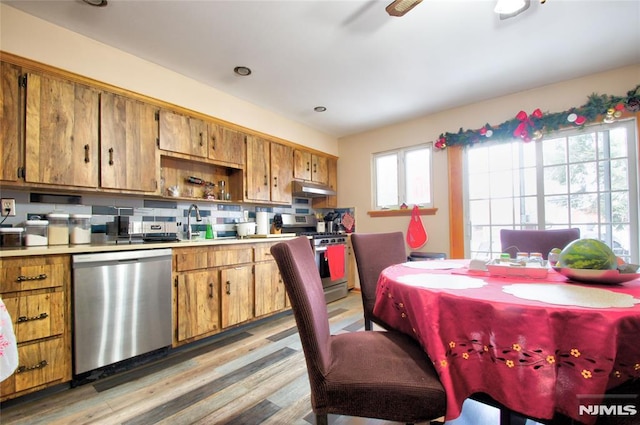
point(537, 124)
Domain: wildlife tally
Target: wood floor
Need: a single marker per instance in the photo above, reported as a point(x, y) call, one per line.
point(255, 375)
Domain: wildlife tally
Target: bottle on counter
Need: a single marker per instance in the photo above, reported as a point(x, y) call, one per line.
point(58, 228)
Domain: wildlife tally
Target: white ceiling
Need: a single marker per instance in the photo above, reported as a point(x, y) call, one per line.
point(369, 69)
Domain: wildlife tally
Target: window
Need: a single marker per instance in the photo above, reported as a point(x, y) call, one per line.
point(402, 177)
point(579, 178)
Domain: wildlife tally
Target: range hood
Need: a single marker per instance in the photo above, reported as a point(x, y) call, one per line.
point(311, 190)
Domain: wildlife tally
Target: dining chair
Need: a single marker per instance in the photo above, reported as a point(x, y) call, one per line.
point(542, 241)
point(380, 375)
point(373, 253)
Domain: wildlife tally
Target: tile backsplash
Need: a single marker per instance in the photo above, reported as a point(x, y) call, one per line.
point(103, 207)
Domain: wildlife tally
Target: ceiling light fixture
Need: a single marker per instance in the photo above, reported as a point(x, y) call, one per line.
point(242, 71)
point(319, 109)
point(510, 8)
point(400, 7)
point(97, 3)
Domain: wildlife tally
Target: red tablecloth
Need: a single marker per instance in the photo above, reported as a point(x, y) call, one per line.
point(535, 357)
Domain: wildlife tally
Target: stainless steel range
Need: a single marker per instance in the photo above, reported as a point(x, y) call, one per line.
point(305, 225)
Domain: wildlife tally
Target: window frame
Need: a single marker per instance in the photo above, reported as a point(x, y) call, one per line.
point(402, 178)
point(633, 128)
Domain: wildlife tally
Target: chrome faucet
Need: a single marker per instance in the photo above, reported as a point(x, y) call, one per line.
point(198, 218)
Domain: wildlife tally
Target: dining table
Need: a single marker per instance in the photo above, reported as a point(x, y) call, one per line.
point(539, 346)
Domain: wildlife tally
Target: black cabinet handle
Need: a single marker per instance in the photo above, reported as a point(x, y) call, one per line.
point(110, 156)
point(23, 319)
point(86, 153)
point(39, 365)
point(42, 276)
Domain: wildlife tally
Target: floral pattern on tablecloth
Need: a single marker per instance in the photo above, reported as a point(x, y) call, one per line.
point(8, 347)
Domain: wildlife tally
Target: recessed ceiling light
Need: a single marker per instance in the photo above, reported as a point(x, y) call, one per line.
point(319, 109)
point(97, 3)
point(242, 71)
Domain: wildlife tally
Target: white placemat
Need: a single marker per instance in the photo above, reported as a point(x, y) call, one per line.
point(441, 281)
point(579, 296)
point(433, 265)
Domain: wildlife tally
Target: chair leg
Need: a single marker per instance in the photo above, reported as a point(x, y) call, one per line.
point(367, 324)
point(322, 420)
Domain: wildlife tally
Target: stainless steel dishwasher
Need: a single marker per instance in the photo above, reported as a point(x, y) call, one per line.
point(121, 304)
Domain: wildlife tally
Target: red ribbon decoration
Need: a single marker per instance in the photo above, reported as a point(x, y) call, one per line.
point(522, 130)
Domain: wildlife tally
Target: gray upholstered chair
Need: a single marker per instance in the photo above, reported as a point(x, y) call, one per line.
point(374, 252)
point(382, 375)
point(542, 241)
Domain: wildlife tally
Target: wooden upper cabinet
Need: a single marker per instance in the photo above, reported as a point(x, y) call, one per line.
point(128, 134)
point(311, 167)
point(258, 173)
point(302, 164)
point(332, 182)
point(281, 173)
point(61, 135)
point(226, 145)
point(182, 134)
point(9, 122)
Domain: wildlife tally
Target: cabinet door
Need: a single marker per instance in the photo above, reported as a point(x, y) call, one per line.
point(319, 171)
point(128, 133)
point(270, 291)
point(281, 173)
point(9, 122)
point(226, 145)
point(182, 134)
point(258, 176)
point(332, 178)
point(302, 165)
point(198, 303)
point(61, 132)
point(237, 295)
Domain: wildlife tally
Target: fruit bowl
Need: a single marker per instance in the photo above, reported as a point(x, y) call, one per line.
point(603, 277)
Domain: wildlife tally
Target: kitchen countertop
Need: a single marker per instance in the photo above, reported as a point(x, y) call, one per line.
point(112, 246)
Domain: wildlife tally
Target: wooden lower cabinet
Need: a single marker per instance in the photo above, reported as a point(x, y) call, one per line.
point(35, 291)
point(270, 293)
point(219, 287)
point(198, 303)
point(237, 295)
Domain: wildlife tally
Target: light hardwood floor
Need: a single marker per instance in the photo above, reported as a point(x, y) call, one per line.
point(254, 375)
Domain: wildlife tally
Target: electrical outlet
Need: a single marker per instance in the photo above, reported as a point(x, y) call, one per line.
point(8, 207)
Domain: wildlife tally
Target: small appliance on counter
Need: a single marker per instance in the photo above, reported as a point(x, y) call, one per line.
point(132, 229)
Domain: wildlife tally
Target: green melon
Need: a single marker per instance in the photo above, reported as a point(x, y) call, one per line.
point(587, 254)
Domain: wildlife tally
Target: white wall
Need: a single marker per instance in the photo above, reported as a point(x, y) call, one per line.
point(354, 166)
point(33, 38)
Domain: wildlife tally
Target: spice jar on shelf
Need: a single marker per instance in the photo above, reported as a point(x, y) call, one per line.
point(58, 228)
point(80, 229)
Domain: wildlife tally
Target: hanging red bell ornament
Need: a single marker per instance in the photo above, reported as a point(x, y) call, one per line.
point(580, 120)
point(620, 107)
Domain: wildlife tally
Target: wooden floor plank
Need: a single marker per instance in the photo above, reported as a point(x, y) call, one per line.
point(255, 374)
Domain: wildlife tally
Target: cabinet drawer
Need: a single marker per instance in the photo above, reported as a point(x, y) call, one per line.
point(37, 316)
point(262, 252)
point(40, 363)
point(227, 257)
point(191, 259)
point(29, 273)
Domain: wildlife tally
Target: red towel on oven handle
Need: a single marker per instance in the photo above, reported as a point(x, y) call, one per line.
point(335, 257)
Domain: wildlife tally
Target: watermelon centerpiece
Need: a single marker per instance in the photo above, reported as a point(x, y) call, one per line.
point(587, 254)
